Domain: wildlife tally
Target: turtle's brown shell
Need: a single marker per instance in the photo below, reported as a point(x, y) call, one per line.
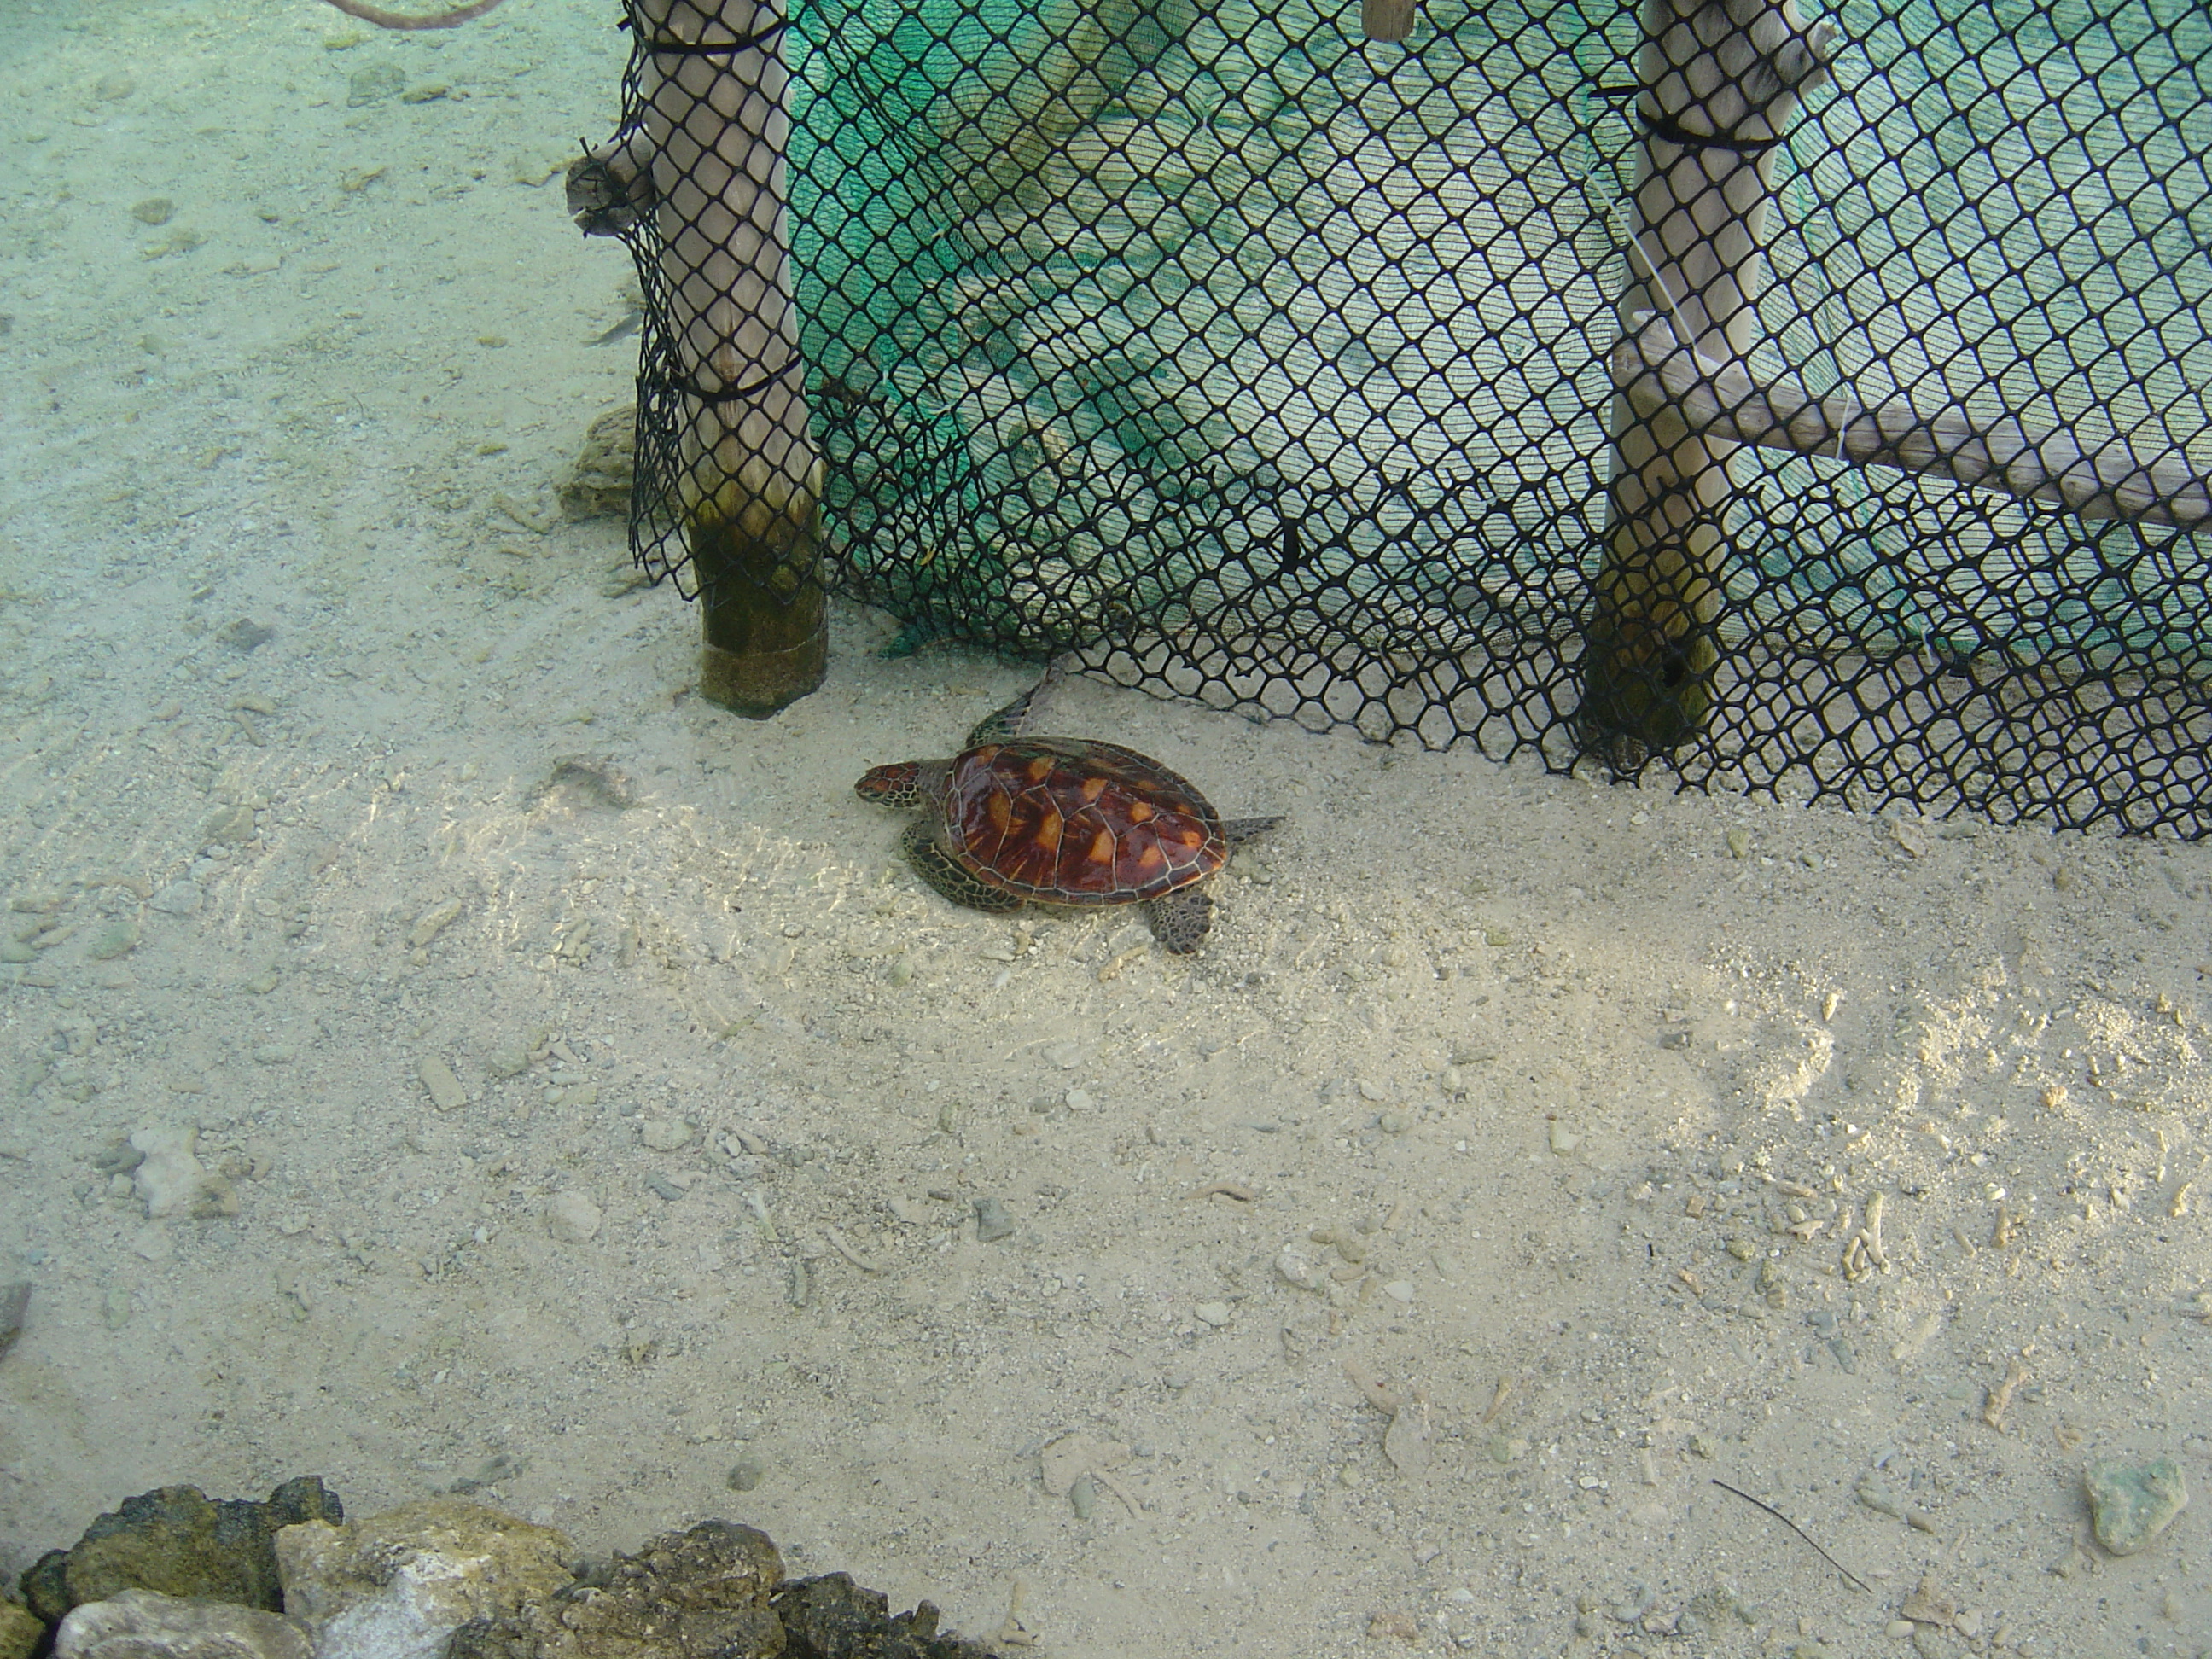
point(1070, 821)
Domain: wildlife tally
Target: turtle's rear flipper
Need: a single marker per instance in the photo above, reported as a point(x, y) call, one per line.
point(1180, 920)
point(1243, 829)
point(933, 866)
point(1014, 718)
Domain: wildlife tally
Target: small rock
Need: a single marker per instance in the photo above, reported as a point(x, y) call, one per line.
point(992, 1221)
point(1563, 1139)
point(446, 1092)
point(573, 1219)
point(664, 1134)
point(1928, 1605)
point(170, 1181)
point(1394, 1122)
point(146, 1625)
point(745, 1474)
point(15, 1303)
point(433, 922)
point(179, 898)
point(508, 1060)
point(1399, 1290)
point(1374, 1093)
point(1216, 1314)
point(1080, 1100)
point(1879, 1498)
point(2130, 1505)
point(1293, 1267)
point(374, 84)
point(1407, 1443)
point(118, 938)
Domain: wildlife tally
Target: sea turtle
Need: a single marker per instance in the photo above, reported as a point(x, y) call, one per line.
point(1014, 819)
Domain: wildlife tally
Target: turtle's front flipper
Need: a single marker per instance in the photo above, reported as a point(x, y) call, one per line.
point(1180, 920)
point(932, 864)
point(1014, 718)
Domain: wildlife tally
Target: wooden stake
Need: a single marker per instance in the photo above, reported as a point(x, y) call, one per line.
point(1386, 20)
point(1720, 81)
point(750, 479)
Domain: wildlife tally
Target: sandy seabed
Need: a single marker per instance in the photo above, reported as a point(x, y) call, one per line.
point(1550, 1109)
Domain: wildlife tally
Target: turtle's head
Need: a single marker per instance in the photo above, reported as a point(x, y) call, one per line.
point(899, 785)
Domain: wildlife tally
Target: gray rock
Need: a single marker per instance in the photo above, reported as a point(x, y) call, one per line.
point(992, 1221)
point(745, 1474)
point(146, 1625)
point(573, 1219)
point(179, 898)
point(2131, 1504)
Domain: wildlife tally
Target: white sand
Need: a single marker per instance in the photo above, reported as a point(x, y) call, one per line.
point(1668, 1020)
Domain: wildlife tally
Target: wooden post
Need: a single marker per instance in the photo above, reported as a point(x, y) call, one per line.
point(1720, 81)
point(750, 480)
point(1386, 20)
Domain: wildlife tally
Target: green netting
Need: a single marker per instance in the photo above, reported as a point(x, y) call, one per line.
point(1246, 359)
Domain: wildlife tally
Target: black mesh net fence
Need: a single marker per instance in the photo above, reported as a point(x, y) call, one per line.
point(1813, 405)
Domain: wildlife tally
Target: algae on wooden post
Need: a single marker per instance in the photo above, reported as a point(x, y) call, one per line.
point(748, 478)
point(1720, 80)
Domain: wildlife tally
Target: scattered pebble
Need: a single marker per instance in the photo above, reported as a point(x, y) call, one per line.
point(664, 1134)
point(573, 1219)
point(446, 1092)
point(1293, 1267)
point(170, 1181)
point(433, 922)
point(179, 898)
point(118, 938)
point(1216, 1314)
point(992, 1221)
point(745, 1474)
point(2131, 1504)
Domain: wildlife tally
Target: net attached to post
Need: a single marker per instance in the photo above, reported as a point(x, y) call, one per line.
point(1245, 359)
